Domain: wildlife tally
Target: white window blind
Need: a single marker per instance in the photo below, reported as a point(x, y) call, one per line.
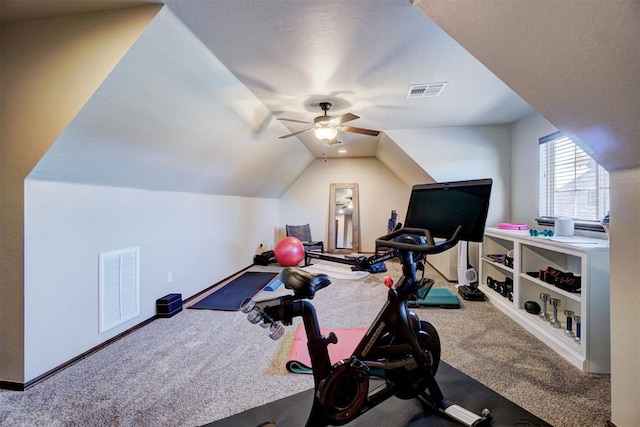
point(572, 184)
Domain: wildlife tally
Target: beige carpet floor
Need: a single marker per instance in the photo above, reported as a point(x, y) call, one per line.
point(203, 365)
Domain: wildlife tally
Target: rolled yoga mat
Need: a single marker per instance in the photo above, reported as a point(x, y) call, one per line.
point(299, 361)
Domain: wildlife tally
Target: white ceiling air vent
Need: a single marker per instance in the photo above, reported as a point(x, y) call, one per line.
point(426, 90)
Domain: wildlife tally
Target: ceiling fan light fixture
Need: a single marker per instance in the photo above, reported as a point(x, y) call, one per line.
point(325, 133)
point(326, 127)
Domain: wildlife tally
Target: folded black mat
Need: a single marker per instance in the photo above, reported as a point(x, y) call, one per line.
point(231, 295)
point(465, 391)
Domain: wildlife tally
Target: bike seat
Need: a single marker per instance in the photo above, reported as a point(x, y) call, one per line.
point(303, 283)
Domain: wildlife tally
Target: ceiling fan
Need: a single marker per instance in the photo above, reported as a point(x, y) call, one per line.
point(326, 127)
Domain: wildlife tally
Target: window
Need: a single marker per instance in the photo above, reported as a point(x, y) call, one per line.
point(572, 184)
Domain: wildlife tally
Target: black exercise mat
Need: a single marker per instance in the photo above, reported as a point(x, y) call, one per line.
point(231, 295)
point(456, 386)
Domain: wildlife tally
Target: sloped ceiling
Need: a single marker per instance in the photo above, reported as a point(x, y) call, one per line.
point(172, 117)
point(361, 56)
point(28, 10)
point(192, 106)
point(577, 63)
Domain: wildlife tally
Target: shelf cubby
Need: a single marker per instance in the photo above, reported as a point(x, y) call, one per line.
point(584, 257)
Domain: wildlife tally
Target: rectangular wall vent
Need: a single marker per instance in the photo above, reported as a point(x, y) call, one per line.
point(426, 90)
point(119, 287)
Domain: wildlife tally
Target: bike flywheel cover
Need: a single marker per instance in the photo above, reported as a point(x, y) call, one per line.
point(344, 392)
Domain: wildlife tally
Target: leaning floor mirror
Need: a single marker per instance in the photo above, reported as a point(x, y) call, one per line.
point(344, 219)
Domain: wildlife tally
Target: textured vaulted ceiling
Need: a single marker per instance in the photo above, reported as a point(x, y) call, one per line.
point(360, 55)
point(576, 62)
point(193, 105)
point(172, 117)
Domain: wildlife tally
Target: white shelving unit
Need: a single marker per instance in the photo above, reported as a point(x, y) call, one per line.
point(585, 257)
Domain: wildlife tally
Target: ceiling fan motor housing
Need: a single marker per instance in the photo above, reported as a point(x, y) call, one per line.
point(325, 106)
point(323, 120)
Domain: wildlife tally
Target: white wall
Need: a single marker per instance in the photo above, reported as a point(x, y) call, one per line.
point(525, 175)
point(200, 239)
point(625, 297)
point(307, 200)
point(459, 153)
point(524, 166)
point(49, 69)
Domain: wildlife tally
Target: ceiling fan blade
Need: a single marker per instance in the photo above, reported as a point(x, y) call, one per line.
point(297, 133)
point(343, 118)
point(360, 130)
point(297, 121)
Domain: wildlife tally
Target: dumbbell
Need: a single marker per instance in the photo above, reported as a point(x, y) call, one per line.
point(536, 233)
point(543, 313)
point(256, 315)
point(555, 303)
point(569, 329)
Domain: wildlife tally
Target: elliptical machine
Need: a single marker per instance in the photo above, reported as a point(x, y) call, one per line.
point(399, 349)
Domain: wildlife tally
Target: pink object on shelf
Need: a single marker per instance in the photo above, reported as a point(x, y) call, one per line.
point(512, 226)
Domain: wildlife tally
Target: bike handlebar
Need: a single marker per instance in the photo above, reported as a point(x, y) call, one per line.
point(431, 246)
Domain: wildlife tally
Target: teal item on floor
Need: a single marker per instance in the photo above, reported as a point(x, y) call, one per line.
point(274, 284)
point(437, 297)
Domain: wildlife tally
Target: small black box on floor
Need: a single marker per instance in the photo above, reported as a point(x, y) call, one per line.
point(169, 305)
point(265, 258)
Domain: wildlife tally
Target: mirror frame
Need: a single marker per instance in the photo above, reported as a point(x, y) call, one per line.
point(355, 218)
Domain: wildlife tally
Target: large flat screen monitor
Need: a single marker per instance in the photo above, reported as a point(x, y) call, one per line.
point(441, 207)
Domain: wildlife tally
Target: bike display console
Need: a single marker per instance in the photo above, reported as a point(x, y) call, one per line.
point(568, 277)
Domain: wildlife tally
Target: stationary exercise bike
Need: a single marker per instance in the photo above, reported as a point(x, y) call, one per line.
point(398, 350)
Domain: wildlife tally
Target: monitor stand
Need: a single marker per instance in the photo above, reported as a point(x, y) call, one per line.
point(467, 277)
point(471, 293)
